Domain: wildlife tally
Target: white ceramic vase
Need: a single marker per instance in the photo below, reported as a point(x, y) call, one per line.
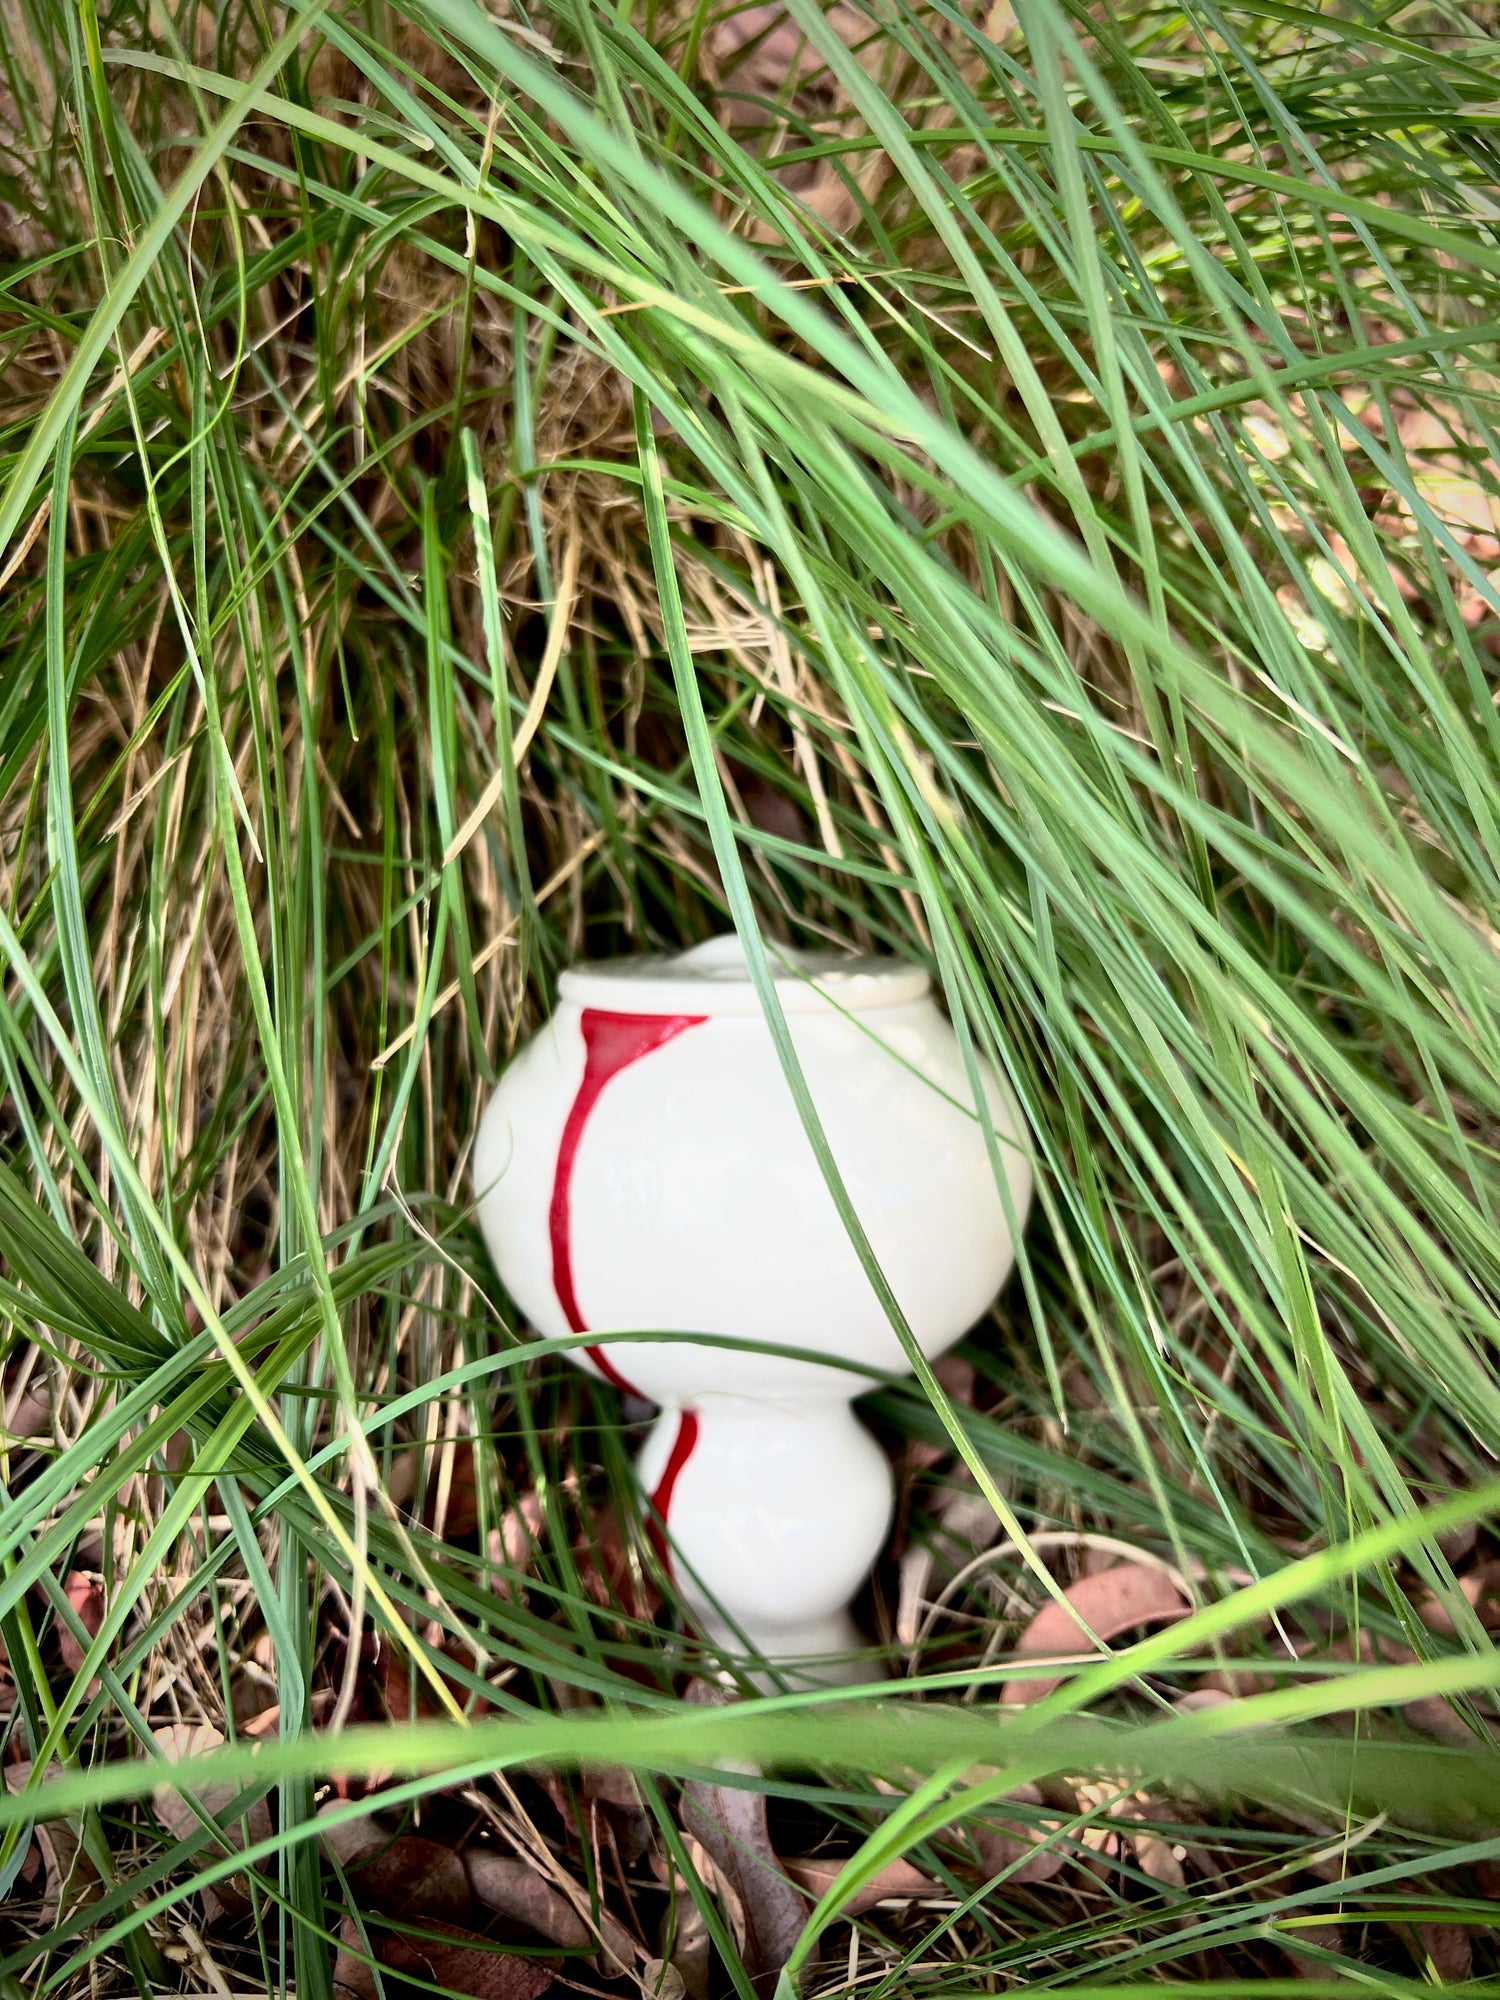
point(641, 1168)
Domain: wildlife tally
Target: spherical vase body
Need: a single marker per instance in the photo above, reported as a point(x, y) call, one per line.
point(642, 1168)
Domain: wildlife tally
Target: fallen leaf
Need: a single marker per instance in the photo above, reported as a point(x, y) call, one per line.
point(1328, 1937)
point(1433, 1714)
point(762, 56)
point(769, 808)
point(1438, 1718)
point(779, 45)
point(781, 54)
point(413, 1878)
point(1482, 1588)
point(86, 1595)
point(730, 1824)
point(455, 1959)
point(511, 1548)
point(1115, 1600)
point(517, 1889)
point(610, 1571)
point(353, 1978)
point(461, 1962)
point(347, 1839)
point(608, 1792)
point(177, 1742)
point(684, 1932)
point(1154, 1856)
point(1459, 1542)
point(1204, 1697)
point(1016, 1850)
point(1449, 1948)
point(615, 1791)
point(897, 1881)
point(68, 1868)
point(450, 1505)
point(968, 1525)
point(1158, 1860)
point(661, 1980)
point(1000, 24)
point(31, 1416)
point(958, 1379)
point(1094, 1560)
point(407, 1695)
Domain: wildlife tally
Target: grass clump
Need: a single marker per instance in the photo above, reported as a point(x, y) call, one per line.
point(1019, 492)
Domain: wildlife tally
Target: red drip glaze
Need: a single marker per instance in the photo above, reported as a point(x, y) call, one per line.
point(611, 1043)
point(683, 1446)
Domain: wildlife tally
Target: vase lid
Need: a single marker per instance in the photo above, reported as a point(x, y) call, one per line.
point(713, 978)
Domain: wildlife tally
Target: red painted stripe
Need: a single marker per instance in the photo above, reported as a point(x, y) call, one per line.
point(600, 1358)
point(611, 1042)
point(660, 1506)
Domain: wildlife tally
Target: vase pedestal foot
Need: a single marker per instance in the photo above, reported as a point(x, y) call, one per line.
point(827, 1652)
point(768, 1512)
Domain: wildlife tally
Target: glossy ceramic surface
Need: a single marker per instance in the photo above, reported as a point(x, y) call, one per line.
point(776, 1511)
point(641, 1168)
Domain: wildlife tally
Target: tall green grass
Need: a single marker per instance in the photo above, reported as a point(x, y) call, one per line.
point(1043, 524)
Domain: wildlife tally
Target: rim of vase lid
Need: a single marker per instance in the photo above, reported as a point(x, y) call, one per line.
point(713, 978)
